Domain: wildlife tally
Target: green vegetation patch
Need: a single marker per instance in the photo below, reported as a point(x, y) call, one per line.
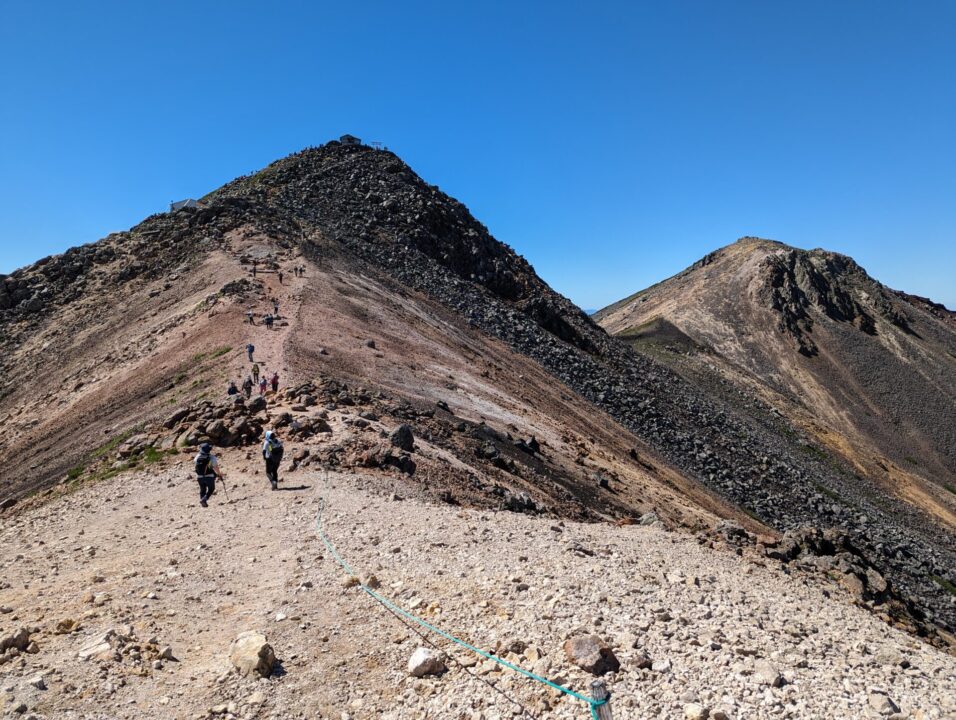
point(218, 352)
point(945, 584)
point(113, 443)
point(833, 495)
point(152, 455)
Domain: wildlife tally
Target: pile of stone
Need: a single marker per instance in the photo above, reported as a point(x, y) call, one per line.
point(121, 645)
point(232, 421)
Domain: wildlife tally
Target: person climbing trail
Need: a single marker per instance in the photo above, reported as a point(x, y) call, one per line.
point(280, 277)
point(268, 319)
point(262, 385)
point(232, 389)
point(250, 348)
point(275, 307)
point(247, 387)
point(255, 372)
point(251, 317)
point(207, 470)
point(272, 453)
point(275, 382)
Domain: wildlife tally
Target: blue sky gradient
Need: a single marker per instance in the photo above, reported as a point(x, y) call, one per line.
point(612, 146)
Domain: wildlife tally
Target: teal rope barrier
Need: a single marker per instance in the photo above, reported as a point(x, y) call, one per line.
point(592, 703)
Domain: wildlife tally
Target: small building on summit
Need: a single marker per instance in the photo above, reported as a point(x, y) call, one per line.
point(180, 204)
point(350, 140)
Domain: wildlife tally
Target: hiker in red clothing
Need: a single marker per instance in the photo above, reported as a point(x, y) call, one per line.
point(262, 385)
point(275, 382)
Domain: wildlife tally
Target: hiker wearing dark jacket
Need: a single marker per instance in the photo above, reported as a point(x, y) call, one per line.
point(250, 348)
point(247, 387)
point(233, 390)
point(255, 372)
point(207, 470)
point(275, 382)
point(272, 453)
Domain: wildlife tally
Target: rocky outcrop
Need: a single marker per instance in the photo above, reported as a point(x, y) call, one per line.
point(794, 281)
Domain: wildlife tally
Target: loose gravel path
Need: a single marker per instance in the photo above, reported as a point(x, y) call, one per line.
point(136, 554)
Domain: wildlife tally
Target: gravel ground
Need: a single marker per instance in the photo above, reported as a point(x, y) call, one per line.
point(137, 555)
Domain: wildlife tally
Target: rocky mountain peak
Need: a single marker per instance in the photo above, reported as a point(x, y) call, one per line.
point(368, 200)
point(795, 283)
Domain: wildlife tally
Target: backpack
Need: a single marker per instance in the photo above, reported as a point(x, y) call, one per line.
point(275, 450)
point(203, 465)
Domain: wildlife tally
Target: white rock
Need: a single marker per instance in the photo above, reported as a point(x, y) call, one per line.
point(425, 661)
point(250, 653)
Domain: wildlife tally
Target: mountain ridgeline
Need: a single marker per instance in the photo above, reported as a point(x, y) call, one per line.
point(710, 382)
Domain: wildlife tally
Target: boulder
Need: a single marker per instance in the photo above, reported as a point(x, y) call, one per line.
point(591, 653)
point(175, 418)
point(402, 437)
point(256, 404)
point(425, 661)
point(766, 674)
point(18, 639)
point(250, 653)
point(99, 648)
point(882, 704)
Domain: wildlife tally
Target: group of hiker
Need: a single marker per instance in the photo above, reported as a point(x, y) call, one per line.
point(253, 381)
point(297, 270)
point(269, 318)
point(208, 470)
point(207, 465)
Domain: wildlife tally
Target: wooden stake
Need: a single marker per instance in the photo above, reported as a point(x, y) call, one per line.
point(599, 692)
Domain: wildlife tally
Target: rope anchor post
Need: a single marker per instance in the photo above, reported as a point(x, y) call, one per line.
point(600, 694)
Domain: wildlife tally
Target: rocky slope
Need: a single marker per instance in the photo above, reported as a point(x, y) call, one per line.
point(866, 374)
point(410, 305)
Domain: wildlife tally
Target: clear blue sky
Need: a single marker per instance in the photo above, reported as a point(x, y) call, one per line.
point(612, 144)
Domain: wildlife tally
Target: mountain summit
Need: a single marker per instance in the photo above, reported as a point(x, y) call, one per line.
point(810, 327)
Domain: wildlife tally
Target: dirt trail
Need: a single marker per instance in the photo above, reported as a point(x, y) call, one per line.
point(270, 353)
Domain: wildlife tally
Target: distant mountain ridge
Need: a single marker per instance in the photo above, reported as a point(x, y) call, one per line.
point(866, 371)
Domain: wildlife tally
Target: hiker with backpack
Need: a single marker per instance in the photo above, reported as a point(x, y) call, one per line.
point(272, 453)
point(247, 387)
point(275, 382)
point(232, 390)
point(262, 385)
point(255, 372)
point(207, 470)
point(250, 348)
point(268, 321)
